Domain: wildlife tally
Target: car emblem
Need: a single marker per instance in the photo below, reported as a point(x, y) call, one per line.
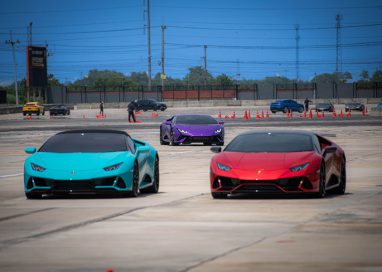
point(73, 172)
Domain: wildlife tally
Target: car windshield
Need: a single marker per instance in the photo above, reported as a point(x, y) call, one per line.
point(195, 120)
point(85, 142)
point(269, 142)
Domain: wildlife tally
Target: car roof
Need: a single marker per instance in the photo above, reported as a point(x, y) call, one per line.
point(111, 131)
point(192, 114)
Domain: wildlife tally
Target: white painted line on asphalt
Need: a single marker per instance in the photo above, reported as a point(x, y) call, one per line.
point(13, 175)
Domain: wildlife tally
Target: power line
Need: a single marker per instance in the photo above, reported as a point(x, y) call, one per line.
point(13, 43)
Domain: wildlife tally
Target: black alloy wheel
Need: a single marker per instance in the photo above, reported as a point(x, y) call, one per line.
point(285, 110)
point(154, 188)
point(322, 187)
point(172, 139)
point(135, 186)
point(341, 189)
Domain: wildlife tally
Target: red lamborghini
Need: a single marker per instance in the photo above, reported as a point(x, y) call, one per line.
point(278, 162)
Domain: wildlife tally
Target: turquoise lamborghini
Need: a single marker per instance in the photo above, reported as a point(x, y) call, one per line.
point(90, 162)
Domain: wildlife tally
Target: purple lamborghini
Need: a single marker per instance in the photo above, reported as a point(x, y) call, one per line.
point(192, 128)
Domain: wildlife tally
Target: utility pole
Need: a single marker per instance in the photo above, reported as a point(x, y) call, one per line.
point(205, 65)
point(163, 74)
point(338, 45)
point(13, 43)
point(297, 27)
point(149, 44)
point(29, 33)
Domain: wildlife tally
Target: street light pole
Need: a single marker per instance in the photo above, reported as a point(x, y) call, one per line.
point(13, 43)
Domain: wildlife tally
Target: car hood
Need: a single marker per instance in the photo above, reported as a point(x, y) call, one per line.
point(264, 161)
point(199, 130)
point(77, 161)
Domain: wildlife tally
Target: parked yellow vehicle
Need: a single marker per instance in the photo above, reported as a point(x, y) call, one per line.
point(33, 108)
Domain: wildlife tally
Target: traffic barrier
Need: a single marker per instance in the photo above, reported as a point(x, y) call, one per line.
point(219, 115)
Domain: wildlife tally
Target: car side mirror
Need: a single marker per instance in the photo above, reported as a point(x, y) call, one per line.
point(30, 150)
point(330, 149)
point(143, 148)
point(216, 149)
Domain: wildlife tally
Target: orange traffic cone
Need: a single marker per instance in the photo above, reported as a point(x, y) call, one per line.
point(310, 114)
point(245, 117)
point(334, 115)
point(304, 115)
point(366, 110)
point(363, 113)
point(257, 115)
point(348, 114)
point(233, 115)
point(219, 115)
point(317, 115)
point(262, 114)
point(226, 117)
point(249, 114)
point(341, 114)
point(267, 115)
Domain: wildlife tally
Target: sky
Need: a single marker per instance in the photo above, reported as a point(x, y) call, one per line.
point(245, 39)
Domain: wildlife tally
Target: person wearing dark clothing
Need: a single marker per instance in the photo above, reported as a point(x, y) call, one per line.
point(131, 108)
point(101, 108)
point(306, 103)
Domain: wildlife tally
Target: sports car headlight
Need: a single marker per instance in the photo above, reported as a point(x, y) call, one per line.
point(182, 130)
point(224, 167)
point(218, 130)
point(113, 167)
point(299, 167)
point(37, 168)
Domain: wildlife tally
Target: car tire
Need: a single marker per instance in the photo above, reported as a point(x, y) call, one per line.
point(301, 110)
point(24, 113)
point(154, 188)
point(33, 196)
point(43, 113)
point(135, 183)
point(172, 139)
point(322, 186)
point(273, 111)
point(162, 108)
point(341, 189)
point(218, 195)
point(162, 142)
point(285, 110)
point(38, 113)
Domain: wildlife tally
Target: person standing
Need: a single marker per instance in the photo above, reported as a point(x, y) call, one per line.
point(101, 108)
point(131, 108)
point(306, 103)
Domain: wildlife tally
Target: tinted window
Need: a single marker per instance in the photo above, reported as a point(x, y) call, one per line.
point(86, 142)
point(130, 144)
point(195, 119)
point(271, 142)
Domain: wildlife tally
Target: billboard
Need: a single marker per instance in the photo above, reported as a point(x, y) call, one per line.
point(37, 70)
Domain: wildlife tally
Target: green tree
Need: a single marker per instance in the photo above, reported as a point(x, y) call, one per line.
point(53, 81)
point(364, 76)
point(198, 76)
point(377, 76)
point(224, 80)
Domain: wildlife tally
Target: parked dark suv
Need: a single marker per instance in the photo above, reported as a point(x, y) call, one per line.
point(149, 104)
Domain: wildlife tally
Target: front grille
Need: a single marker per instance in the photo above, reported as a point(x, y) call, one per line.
point(74, 185)
point(288, 184)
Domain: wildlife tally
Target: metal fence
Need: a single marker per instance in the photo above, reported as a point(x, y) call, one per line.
point(261, 91)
